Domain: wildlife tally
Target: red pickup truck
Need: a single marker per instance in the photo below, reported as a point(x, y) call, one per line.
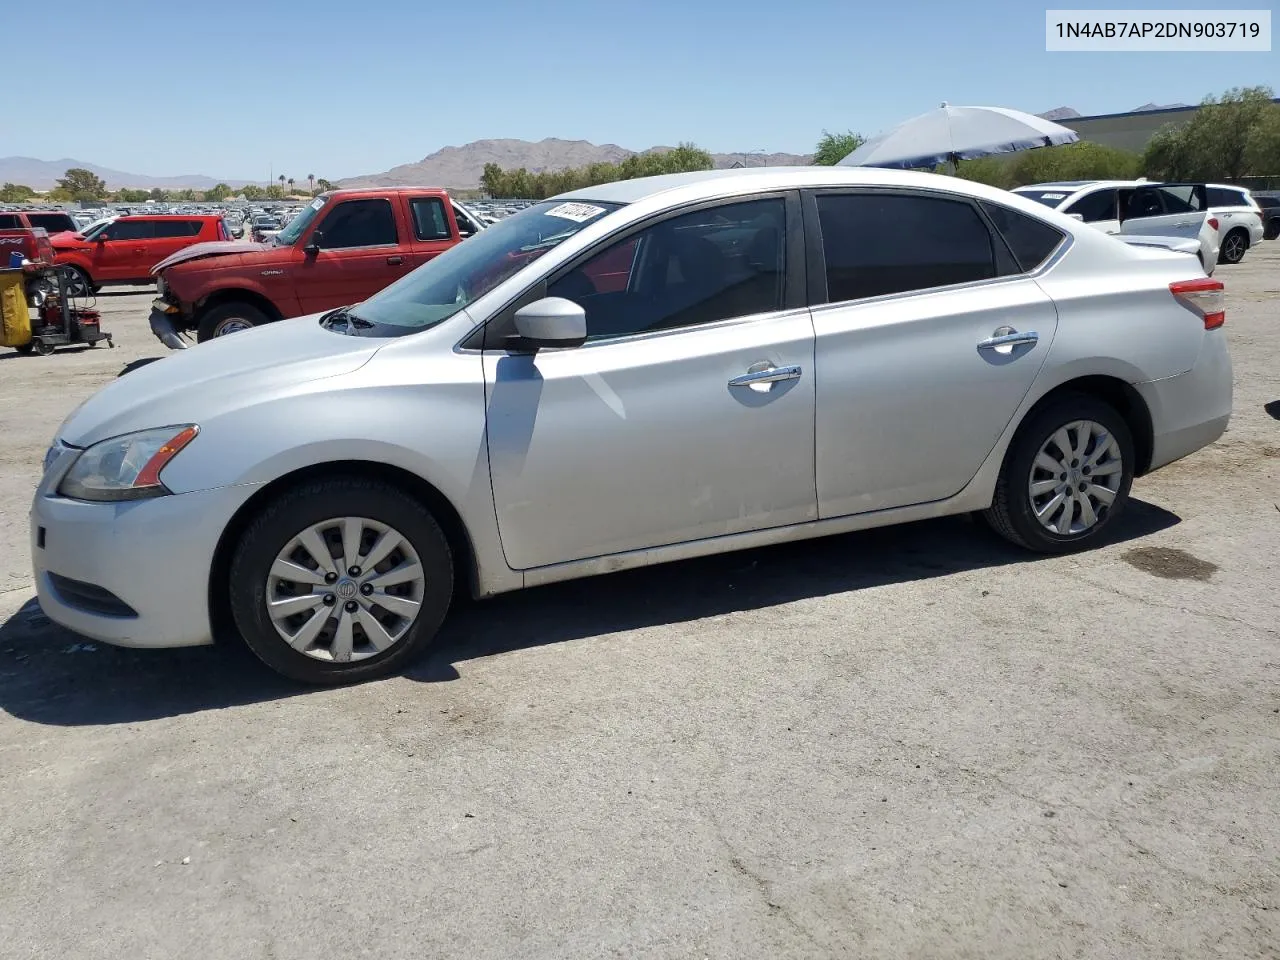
point(125, 249)
point(32, 242)
point(343, 247)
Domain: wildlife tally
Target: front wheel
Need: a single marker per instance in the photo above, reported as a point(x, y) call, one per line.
point(1066, 477)
point(341, 580)
point(228, 318)
point(78, 283)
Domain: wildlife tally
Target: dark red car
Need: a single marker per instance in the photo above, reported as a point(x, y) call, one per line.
point(127, 248)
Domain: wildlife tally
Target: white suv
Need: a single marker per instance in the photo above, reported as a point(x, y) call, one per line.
point(1136, 208)
point(1239, 220)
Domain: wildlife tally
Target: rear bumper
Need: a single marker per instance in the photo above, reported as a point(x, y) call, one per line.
point(1191, 410)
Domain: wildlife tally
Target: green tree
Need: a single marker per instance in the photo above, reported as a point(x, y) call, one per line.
point(126, 195)
point(253, 192)
point(834, 147)
point(157, 194)
point(14, 192)
point(1226, 139)
point(218, 192)
point(521, 184)
point(323, 185)
point(291, 184)
point(82, 184)
point(282, 179)
point(311, 179)
point(1073, 161)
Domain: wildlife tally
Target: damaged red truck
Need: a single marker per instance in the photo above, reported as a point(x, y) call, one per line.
point(345, 246)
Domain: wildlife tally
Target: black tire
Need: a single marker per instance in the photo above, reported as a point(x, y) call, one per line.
point(79, 284)
point(1234, 245)
point(25, 348)
point(217, 321)
point(1011, 514)
point(43, 348)
point(311, 503)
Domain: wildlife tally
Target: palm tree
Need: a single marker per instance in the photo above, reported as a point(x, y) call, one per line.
point(291, 185)
point(281, 178)
point(312, 178)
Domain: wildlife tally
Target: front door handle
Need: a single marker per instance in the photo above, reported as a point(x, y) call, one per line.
point(1004, 342)
point(394, 261)
point(763, 375)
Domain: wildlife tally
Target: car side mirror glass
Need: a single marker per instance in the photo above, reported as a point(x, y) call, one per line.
point(550, 322)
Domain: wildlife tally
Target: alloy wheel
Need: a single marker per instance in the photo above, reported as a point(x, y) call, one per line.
point(1075, 478)
point(232, 325)
point(1233, 248)
point(345, 589)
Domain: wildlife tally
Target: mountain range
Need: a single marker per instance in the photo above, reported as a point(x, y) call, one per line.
point(461, 167)
point(457, 167)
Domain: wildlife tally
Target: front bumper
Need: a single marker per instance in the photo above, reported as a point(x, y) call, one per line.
point(152, 556)
point(162, 326)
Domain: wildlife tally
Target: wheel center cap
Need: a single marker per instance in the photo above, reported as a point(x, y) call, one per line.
point(346, 589)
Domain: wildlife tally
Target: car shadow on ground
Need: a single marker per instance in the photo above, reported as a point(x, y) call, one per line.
point(50, 676)
point(1273, 409)
point(134, 365)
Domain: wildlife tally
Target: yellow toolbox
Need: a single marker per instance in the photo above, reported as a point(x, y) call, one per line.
point(15, 319)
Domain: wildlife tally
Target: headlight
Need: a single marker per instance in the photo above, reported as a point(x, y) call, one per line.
point(126, 468)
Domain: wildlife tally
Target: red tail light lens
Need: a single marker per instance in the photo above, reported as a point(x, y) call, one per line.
point(1213, 222)
point(1206, 297)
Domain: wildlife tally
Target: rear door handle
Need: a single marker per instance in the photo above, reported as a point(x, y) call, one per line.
point(763, 375)
point(395, 261)
point(1005, 342)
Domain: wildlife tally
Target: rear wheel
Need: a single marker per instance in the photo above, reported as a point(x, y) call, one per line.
point(1234, 246)
point(341, 580)
point(228, 318)
point(1066, 477)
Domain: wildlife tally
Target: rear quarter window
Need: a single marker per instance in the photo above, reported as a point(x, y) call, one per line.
point(1031, 241)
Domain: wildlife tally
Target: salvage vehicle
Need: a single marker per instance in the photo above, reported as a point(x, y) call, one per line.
point(1136, 207)
point(343, 247)
point(1270, 209)
point(125, 249)
point(791, 352)
point(1239, 221)
point(53, 222)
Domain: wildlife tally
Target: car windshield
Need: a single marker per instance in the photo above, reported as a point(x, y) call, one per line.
point(1050, 198)
point(298, 225)
point(443, 286)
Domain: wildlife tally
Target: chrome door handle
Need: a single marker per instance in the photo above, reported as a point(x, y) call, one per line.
point(394, 261)
point(761, 376)
point(1009, 340)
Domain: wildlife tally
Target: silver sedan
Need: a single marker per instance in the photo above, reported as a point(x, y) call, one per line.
point(634, 373)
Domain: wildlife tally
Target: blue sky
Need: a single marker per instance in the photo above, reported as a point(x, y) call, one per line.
point(240, 88)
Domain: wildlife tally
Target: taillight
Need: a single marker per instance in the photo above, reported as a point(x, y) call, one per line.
point(1213, 222)
point(1205, 297)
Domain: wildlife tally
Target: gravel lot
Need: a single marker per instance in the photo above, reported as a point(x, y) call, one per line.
point(914, 742)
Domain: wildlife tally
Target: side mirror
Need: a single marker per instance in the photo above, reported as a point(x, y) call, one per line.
point(1076, 216)
point(550, 322)
point(313, 245)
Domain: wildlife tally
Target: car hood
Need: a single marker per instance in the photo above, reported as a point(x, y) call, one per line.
point(195, 385)
point(212, 248)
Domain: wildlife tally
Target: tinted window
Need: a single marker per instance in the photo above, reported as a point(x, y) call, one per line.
point(1179, 199)
point(1031, 240)
point(881, 243)
point(177, 228)
point(10, 221)
point(1219, 197)
point(1267, 202)
point(465, 225)
point(691, 269)
point(1100, 205)
point(53, 222)
point(359, 223)
point(130, 230)
point(429, 221)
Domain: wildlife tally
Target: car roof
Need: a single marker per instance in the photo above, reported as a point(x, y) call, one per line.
point(716, 183)
point(383, 191)
point(169, 216)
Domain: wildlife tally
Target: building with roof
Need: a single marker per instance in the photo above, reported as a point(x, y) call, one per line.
point(1129, 131)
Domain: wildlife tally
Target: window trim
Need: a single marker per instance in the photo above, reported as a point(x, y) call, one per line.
point(817, 287)
point(368, 246)
point(1064, 239)
point(490, 334)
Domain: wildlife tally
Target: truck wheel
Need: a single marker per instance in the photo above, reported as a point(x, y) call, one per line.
point(228, 318)
point(340, 580)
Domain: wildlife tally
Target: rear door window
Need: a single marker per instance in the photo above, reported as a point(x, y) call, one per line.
point(877, 244)
point(10, 221)
point(53, 222)
point(359, 223)
point(131, 230)
point(1222, 197)
point(1030, 240)
point(177, 228)
point(1180, 198)
point(429, 221)
point(1095, 207)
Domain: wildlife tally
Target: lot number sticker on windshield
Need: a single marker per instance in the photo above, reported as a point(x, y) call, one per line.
point(1055, 196)
point(577, 212)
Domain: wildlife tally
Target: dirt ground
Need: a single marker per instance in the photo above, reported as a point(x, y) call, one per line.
point(914, 742)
